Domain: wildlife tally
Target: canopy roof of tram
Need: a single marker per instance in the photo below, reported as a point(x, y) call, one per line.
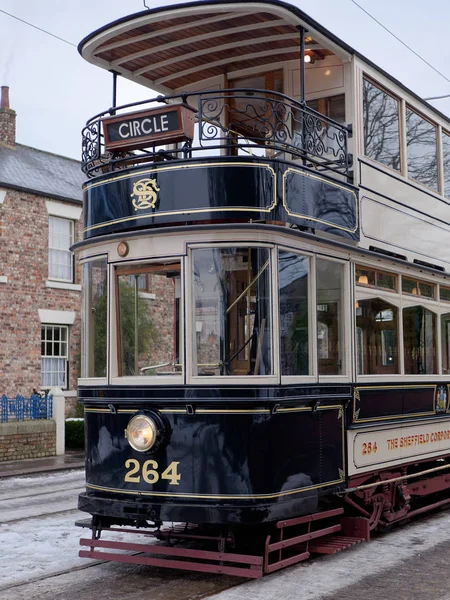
point(174, 47)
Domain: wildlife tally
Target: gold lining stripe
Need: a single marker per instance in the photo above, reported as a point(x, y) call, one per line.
point(189, 211)
point(389, 417)
point(310, 218)
point(204, 411)
point(214, 497)
point(88, 186)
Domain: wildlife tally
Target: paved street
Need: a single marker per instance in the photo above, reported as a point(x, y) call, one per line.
point(36, 526)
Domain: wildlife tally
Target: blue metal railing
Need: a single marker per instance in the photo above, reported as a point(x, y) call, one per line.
point(21, 409)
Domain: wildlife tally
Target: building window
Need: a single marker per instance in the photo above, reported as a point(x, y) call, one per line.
point(54, 355)
point(60, 258)
point(381, 125)
point(421, 149)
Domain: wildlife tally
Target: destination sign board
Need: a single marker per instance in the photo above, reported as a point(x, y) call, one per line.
point(168, 124)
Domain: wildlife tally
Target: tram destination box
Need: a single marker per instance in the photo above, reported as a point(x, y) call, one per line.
point(162, 125)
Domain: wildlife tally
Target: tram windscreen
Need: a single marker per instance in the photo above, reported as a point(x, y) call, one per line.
point(95, 306)
point(231, 293)
point(149, 324)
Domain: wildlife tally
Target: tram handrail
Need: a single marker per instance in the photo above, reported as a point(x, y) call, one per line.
point(229, 121)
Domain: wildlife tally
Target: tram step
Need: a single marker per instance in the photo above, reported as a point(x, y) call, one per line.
point(332, 544)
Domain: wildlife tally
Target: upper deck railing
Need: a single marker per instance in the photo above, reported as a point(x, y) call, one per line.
point(233, 122)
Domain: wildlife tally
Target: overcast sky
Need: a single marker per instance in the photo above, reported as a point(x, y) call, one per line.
point(54, 91)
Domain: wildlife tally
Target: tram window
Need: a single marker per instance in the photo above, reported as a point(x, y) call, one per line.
point(330, 318)
point(419, 335)
point(231, 311)
point(293, 278)
point(445, 343)
point(446, 162)
point(377, 337)
point(149, 321)
point(444, 293)
point(365, 276)
point(418, 288)
point(421, 149)
point(95, 333)
point(381, 125)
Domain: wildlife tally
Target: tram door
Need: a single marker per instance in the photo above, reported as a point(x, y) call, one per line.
point(251, 117)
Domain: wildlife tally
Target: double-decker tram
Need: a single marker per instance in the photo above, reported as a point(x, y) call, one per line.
point(266, 298)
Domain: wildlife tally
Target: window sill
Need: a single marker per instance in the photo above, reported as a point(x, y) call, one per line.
point(61, 285)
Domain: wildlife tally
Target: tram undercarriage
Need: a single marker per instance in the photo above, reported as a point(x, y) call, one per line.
point(373, 502)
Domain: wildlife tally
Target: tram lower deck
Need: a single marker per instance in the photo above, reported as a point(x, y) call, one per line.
point(225, 456)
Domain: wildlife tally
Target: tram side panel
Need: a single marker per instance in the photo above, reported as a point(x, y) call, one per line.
point(215, 465)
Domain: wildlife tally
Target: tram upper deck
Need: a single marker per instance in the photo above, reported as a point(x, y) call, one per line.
point(259, 114)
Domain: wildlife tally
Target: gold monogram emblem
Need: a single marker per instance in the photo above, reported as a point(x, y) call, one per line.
point(145, 194)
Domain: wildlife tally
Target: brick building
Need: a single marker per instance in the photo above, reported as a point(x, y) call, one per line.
point(40, 210)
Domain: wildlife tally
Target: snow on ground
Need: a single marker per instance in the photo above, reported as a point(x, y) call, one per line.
point(36, 547)
point(314, 579)
point(42, 544)
point(25, 484)
point(46, 545)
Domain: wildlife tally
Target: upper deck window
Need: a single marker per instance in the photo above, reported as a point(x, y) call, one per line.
point(381, 125)
point(446, 161)
point(421, 149)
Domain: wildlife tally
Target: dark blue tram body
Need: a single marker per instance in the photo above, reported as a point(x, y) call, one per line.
point(260, 350)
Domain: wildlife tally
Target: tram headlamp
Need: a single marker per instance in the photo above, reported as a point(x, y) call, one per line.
point(141, 432)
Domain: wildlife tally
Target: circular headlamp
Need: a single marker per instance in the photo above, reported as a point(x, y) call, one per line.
point(141, 432)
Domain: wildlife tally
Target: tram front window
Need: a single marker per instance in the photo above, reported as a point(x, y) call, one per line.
point(231, 311)
point(95, 332)
point(149, 324)
point(293, 275)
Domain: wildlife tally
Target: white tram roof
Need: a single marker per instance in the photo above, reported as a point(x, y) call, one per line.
point(172, 48)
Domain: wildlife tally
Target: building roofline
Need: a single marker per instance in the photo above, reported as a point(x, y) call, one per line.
point(49, 195)
point(45, 152)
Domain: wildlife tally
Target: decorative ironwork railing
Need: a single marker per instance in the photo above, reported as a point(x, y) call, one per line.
point(232, 123)
point(21, 409)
